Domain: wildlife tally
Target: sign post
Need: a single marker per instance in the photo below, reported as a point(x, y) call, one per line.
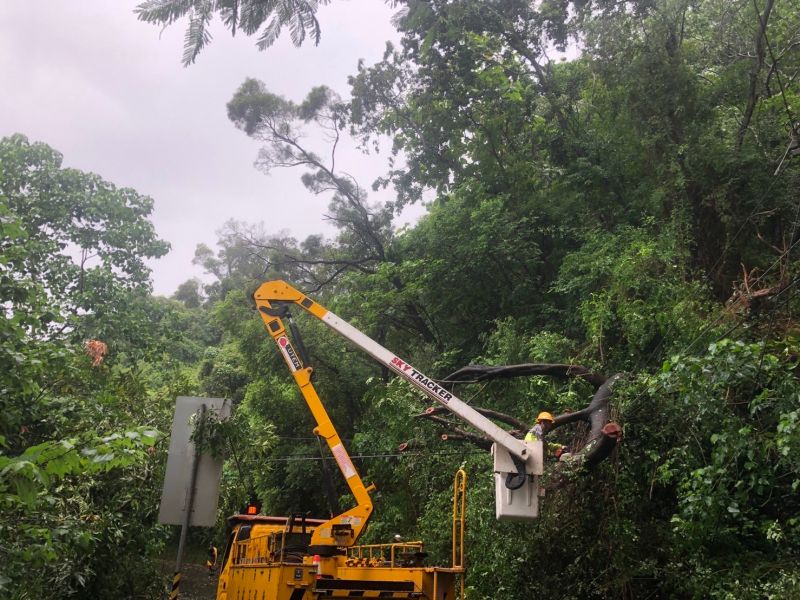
point(187, 514)
point(191, 483)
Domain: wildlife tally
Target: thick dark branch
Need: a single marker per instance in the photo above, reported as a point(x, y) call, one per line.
point(601, 447)
point(476, 373)
point(486, 412)
point(476, 440)
point(603, 435)
point(596, 413)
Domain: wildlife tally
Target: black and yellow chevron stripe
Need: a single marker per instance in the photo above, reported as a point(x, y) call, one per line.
point(176, 583)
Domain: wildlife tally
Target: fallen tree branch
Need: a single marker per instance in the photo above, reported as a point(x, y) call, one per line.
point(603, 436)
point(596, 413)
point(477, 373)
point(486, 412)
point(476, 440)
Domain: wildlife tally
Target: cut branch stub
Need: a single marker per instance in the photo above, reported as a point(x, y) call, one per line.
point(601, 447)
point(596, 413)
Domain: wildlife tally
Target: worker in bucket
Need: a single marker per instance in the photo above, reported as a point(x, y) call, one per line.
point(536, 433)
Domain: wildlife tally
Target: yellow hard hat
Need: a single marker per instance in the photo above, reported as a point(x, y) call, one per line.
point(545, 416)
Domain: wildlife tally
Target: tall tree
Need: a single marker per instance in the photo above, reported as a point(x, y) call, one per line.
point(86, 242)
point(77, 426)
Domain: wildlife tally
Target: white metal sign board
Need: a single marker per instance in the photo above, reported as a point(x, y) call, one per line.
point(174, 494)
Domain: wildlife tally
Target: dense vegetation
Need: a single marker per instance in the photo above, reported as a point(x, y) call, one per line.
point(634, 210)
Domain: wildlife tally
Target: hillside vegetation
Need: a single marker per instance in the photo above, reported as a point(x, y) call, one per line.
point(632, 210)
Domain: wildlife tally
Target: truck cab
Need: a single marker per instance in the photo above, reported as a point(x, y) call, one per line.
point(266, 542)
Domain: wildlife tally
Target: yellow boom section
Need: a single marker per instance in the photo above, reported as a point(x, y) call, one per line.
point(344, 529)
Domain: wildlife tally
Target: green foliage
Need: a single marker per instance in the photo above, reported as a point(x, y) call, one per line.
point(189, 292)
point(221, 374)
point(78, 472)
point(633, 293)
point(39, 466)
point(79, 239)
point(72, 496)
point(723, 479)
point(741, 400)
point(596, 211)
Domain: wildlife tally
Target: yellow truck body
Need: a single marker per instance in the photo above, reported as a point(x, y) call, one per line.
point(267, 559)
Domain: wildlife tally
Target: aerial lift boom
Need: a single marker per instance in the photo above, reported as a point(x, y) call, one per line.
point(305, 559)
point(517, 463)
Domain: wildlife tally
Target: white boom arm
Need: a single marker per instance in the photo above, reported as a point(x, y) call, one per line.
point(515, 460)
point(280, 291)
point(428, 386)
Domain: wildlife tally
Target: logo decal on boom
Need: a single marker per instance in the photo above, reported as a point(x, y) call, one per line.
point(421, 380)
point(289, 353)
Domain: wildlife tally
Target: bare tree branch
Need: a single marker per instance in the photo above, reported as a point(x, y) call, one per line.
point(752, 98)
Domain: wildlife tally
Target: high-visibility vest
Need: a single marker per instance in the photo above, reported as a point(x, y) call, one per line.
point(534, 433)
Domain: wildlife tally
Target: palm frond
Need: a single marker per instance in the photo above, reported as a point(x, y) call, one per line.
point(163, 12)
point(197, 34)
point(249, 16)
point(270, 33)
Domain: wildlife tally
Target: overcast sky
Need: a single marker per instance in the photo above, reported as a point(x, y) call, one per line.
point(109, 93)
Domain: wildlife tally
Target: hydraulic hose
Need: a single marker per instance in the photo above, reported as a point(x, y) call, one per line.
point(514, 481)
